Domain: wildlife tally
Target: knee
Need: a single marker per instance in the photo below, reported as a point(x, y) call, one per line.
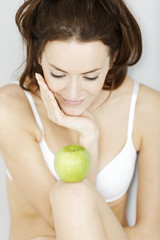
point(80, 192)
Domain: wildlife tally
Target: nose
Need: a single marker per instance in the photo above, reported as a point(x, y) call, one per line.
point(73, 89)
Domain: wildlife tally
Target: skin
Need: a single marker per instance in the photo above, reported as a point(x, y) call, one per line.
point(36, 199)
point(74, 85)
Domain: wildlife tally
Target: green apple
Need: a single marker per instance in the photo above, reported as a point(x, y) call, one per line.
point(72, 163)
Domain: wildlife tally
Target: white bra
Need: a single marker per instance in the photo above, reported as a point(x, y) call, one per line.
point(114, 179)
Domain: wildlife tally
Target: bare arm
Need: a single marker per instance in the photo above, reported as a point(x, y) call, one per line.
point(148, 202)
point(20, 149)
point(85, 125)
point(149, 165)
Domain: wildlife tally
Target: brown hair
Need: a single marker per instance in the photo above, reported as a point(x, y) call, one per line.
point(108, 21)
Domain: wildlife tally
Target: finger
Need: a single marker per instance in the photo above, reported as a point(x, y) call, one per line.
point(42, 85)
point(55, 113)
point(50, 101)
point(45, 92)
point(41, 81)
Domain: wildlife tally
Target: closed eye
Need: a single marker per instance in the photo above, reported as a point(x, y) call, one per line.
point(61, 76)
point(91, 79)
point(57, 76)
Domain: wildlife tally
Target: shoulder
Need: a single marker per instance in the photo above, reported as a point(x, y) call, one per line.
point(15, 109)
point(12, 101)
point(149, 95)
point(148, 101)
point(11, 91)
point(148, 107)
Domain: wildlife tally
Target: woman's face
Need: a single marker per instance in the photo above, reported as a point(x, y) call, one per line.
point(75, 72)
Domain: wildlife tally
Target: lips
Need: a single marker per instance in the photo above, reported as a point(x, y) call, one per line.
point(73, 103)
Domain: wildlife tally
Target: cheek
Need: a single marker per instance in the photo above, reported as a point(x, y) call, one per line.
point(47, 76)
point(96, 86)
point(49, 81)
point(92, 89)
point(52, 84)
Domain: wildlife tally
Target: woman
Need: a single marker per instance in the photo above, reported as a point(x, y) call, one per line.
point(75, 90)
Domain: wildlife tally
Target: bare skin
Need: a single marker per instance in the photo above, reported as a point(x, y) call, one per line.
point(22, 212)
point(27, 215)
point(36, 208)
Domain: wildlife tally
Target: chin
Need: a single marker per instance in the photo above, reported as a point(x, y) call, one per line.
point(73, 112)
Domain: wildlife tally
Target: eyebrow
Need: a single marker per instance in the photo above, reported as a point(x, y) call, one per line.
point(94, 70)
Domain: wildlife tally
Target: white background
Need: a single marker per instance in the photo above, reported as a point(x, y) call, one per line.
point(147, 71)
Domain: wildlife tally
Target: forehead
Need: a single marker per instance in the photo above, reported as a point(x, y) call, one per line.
point(73, 53)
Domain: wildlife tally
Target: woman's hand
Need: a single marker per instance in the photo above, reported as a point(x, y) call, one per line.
point(85, 124)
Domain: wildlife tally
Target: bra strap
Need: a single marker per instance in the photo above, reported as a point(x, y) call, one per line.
point(132, 108)
point(33, 106)
point(34, 109)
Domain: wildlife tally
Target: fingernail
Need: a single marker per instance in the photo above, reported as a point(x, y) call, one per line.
point(37, 77)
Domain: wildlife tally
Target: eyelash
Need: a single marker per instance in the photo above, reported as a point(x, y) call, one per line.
point(57, 76)
point(91, 79)
point(61, 76)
